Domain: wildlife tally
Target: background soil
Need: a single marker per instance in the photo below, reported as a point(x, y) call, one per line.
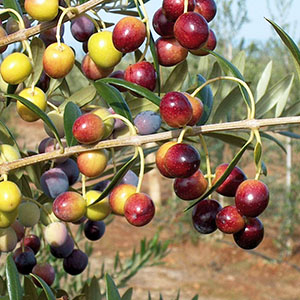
point(213, 268)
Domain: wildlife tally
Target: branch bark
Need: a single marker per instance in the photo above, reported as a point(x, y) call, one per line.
point(26, 33)
point(145, 139)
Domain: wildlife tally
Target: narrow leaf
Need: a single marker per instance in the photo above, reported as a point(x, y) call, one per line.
point(195, 297)
point(133, 87)
point(117, 178)
point(206, 96)
point(81, 97)
point(273, 139)
point(289, 134)
point(128, 294)
point(30, 289)
point(283, 100)
point(113, 98)
point(37, 47)
point(155, 62)
point(293, 110)
point(13, 282)
point(53, 85)
point(228, 67)
point(7, 137)
point(149, 296)
point(94, 290)
point(176, 78)
point(14, 5)
point(278, 92)
point(291, 45)
point(111, 289)
point(229, 138)
point(229, 103)
point(49, 294)
point(228, 170)
point(257, 153)
point(263, 82)
point(39, 112)
point(71, 113)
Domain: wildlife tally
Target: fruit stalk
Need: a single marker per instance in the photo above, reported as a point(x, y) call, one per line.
point(250, 109)
point(208, 168)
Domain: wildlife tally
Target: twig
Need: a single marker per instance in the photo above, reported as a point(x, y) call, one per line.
point(24, 34)
point(145, 139)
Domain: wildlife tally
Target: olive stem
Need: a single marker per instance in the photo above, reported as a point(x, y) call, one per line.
point(146, 21)
point(142, 168)
point(72, 235)
point(183, 132)
point(60, 21)
point(208, 168)
point(186, 4)
point(94, 22)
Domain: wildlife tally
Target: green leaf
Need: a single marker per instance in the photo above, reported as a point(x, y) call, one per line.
point(160, 296)
point(138, 105)
point(227, 104)
point(76, 76)
point(229, 138)
point(11, 88)
point(94, 290)
point(71, 113)
point(81, 97)
point(279, 92)
point(128, 294)
point(273, 139)
point(264, 169)
point(228, 67)
point(176, 78)
point(37, 47)
point(13, 282)
point(257, 153)
point(113, 98)
point(117, 178)
point(6, 137)
point(133, 87)
point(14, 5)
point(111, 289)
point(46, 288)
point(263, 82)
point(289, 134)
point(291, 45)
point(40, 113)
point(206, 96)
point(53, 85)
point(195, 297)
point(149, 296)
point(155, 62)
point(25, 187)
point(30, 288)
point(283, 100)
point(293, 110)
point(216, 71)
point(178, 295)
point(239, 62)
point(228, 170)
